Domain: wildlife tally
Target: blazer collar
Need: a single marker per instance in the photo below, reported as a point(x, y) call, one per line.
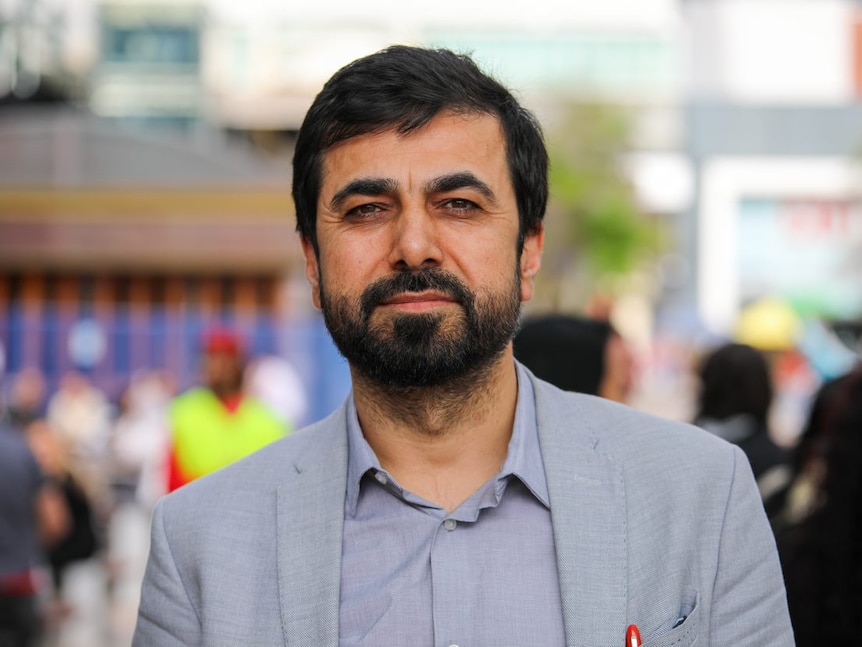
point(309, 522)
point(588, 512)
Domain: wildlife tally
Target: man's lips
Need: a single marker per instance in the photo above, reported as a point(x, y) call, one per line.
point(417, 301)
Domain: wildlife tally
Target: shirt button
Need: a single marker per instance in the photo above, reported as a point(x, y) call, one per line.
point(381, 478)
point(450, 524)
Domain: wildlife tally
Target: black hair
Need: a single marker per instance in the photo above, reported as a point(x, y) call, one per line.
point(566, 350)
point(822, 556)
point(403, 88)
point(735, 379)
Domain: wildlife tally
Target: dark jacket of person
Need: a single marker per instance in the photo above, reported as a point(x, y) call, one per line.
point(733, 403)
point(822, 554)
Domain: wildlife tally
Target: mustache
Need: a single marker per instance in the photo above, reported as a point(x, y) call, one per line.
point(415, 281)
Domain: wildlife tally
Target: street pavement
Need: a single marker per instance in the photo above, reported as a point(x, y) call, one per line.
point(100, 595)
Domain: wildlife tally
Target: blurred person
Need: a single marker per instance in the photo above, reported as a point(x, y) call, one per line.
point(454, 498)
point(32, 517)
point(575, 353)
point(26, 402)
point(792, 504)
point(141, 438)
point(217, 423)
point(81, 540)
point(81, 414)
point(771, 325)
point(274, 381)
point(733, 402)
point(600, 306)
point(822, 554)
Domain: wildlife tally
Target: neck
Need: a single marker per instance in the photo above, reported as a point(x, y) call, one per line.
point(441, 443)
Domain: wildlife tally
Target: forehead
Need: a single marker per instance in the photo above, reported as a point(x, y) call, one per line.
point(449, 142)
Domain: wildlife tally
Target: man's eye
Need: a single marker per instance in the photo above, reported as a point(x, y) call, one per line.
point(460, 204)
point(364, 210)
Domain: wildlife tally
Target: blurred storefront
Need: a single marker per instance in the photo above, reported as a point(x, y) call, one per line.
point(149, 63)
point(774, 132)
point(117, 250)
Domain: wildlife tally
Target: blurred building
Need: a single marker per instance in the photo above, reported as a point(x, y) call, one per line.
point(148, 70)
point(116, 250)
point(32, 65)
point(774, 131)
point(92, 216)
point(251, 69)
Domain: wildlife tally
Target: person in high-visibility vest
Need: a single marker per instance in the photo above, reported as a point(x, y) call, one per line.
point(217, 423)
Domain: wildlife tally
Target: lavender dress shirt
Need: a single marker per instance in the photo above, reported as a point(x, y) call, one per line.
point(483, 575)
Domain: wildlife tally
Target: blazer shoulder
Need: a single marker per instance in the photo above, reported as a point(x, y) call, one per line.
point(259, 474)
point(621, 430)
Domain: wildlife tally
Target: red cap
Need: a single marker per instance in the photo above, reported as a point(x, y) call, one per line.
point(222, 340)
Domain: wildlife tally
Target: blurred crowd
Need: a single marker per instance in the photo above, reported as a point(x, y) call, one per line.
point(89, 465)
point(811, 487)
point(79, 474)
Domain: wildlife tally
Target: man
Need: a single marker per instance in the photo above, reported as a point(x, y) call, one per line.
point(26, 399)
point(215, 424)
point(33, 516)
point(453, 499)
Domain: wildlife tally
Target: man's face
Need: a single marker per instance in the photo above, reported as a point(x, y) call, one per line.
point(222, 371)
point(419, 274)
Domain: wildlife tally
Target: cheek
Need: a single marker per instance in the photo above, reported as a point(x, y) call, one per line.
point(485, 259)
point(347, 271)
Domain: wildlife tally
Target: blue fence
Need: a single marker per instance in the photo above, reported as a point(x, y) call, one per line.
point(111, 349)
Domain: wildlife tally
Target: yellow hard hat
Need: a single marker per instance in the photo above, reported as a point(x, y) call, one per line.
point(768, 324)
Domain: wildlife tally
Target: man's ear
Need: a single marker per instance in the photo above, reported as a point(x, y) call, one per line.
point(531, 261)
point(312, 270)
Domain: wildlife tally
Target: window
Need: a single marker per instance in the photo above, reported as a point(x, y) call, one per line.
point(151, 43)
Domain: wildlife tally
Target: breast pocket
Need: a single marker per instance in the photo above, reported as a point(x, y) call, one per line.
point(681, 631)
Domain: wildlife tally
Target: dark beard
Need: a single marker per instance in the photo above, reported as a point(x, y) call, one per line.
point(426, 349)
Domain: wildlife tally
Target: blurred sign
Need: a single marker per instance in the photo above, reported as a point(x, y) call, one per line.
point(818, 220)
point(808, 252)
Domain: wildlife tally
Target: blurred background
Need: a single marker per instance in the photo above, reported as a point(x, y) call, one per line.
point(706, 188)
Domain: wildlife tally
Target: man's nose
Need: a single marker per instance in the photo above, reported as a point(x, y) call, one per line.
point(415, 243)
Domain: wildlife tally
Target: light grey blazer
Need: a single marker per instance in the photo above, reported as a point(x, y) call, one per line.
point(656, 523)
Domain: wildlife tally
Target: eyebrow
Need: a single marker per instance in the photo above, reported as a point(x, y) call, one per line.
point(369, 186)
point(460, 180)
point(362, 186)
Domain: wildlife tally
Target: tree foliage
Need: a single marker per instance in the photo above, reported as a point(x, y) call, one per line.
point(594, 227)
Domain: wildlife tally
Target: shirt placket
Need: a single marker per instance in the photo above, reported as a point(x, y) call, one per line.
point(450, 578)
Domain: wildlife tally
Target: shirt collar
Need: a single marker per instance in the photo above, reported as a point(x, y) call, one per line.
point(360, 456)
point(523, 458)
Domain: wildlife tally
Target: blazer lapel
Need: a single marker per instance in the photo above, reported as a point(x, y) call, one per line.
point(589, 515)
point(309, 522)
point(587, 509)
